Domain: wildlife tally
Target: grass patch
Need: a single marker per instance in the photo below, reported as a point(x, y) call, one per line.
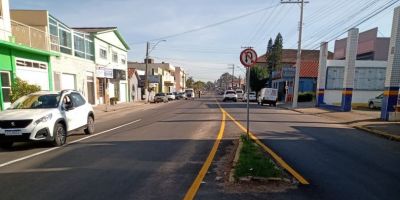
point(254, 162)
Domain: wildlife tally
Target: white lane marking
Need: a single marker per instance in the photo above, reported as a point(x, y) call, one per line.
point(54, 148)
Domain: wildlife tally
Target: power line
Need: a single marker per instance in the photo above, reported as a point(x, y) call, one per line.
point(211, 25)
point(366, 18)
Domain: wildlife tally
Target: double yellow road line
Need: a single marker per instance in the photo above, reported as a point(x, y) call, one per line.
point(191, 193)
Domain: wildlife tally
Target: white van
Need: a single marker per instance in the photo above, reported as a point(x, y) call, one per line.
point(189, 93)
point(268, 96)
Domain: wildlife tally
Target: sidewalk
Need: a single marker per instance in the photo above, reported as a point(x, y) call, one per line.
point(103, 109)
point(367, 120)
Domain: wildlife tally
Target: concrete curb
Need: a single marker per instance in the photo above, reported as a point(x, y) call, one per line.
point(379, 133)
point(235, 160)
point(363, 128)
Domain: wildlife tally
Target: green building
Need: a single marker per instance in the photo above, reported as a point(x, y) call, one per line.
point(24, 53)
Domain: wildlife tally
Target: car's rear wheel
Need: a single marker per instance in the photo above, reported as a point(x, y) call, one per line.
point(371, 105)
point(90, 126)
point(6, 145)
point(60, 135)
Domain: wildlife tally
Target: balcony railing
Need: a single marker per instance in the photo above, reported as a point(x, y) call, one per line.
point(33, 37)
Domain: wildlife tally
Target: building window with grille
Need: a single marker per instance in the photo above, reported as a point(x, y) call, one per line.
point(6, 86)
point(103, 53)
point(115, 57)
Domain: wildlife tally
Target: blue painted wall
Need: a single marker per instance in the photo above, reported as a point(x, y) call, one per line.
point(307, 85)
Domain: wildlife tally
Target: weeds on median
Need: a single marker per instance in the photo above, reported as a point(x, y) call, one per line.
point(253, 162)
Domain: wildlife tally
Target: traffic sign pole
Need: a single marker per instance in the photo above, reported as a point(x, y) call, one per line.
point(248, 58)
point(248, 108)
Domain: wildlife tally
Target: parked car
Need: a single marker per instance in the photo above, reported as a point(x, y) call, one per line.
point(230, 95)
point(239, 93)
point(45, 116)
point(181, 95)
point(160, 97)
point(268, 96)
point(252, 96)
point(375, 102)
point(170, 96)
point(190, 93)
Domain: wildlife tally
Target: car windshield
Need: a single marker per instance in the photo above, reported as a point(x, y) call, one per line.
point(252, 93)
point(169, 93)
point(239, 91)
point(230, 92)
point(160, 94)
point(37, 101)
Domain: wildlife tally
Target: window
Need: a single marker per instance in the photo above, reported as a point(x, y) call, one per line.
point(368, 78)
point(115, 57)
point(5, 86)
point(103, 53)
point(77, 99)
point(65, 41)
point(89, 48)
point(123, 59)
point(334, 78)
point(79, 45)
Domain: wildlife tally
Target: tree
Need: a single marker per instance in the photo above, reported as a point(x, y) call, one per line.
point(22, 88)
point(258, 77)
point(199, 85)
point(269, 63)
point(189, 82)
point(277, 52)
point(210, 86)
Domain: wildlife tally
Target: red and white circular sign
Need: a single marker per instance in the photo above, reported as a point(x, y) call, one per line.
point(248, 57)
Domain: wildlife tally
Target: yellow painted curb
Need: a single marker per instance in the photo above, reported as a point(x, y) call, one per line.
point(379, 133)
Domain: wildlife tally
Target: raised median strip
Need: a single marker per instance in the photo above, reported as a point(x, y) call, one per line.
point(274, 155)
point(379, 133)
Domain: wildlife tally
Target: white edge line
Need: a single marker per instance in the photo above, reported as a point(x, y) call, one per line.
point(54, 148)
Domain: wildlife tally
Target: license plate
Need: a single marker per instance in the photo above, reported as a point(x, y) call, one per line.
point(13, 132)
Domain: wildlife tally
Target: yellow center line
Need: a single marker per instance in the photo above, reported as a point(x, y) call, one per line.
point(191, 193)
point(274, 155)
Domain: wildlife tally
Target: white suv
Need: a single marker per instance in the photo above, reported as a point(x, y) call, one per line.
point(230, 95)
point(45, 116)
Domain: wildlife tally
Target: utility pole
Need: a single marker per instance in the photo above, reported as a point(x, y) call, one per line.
point(298, 61)
point(146, 81)
point(233, 73)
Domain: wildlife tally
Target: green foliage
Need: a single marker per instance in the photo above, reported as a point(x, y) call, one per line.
point(21, 88)
point(189, 82)
point(199, 85)
point(258, 77)
point(253, 162)
point(306, 97)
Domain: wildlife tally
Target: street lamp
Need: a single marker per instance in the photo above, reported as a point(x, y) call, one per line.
point(148, 51)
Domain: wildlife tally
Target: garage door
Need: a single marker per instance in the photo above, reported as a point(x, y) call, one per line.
point(34, 76)
point(68, 81)
point(33, 72)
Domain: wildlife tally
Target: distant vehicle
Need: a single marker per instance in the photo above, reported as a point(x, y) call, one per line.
point(230, 95)
point(45, 116)
point(252, 96)
point(239, 93)
point(180, 95)
point(189, 93)
point(375, 102)
point(160, 97)
point(170, 96)
point(268, 96)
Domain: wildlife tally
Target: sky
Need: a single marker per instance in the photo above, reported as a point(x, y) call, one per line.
point(214, 31)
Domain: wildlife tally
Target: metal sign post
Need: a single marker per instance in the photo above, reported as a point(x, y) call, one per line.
point(248, 58)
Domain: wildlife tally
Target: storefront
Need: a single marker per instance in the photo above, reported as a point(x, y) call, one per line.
point(29, 64)
point(120, 84)
point(103, 77)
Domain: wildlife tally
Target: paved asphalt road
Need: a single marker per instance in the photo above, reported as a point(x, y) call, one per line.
point(155, 158)
point(340, 162)
point(160, 156)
